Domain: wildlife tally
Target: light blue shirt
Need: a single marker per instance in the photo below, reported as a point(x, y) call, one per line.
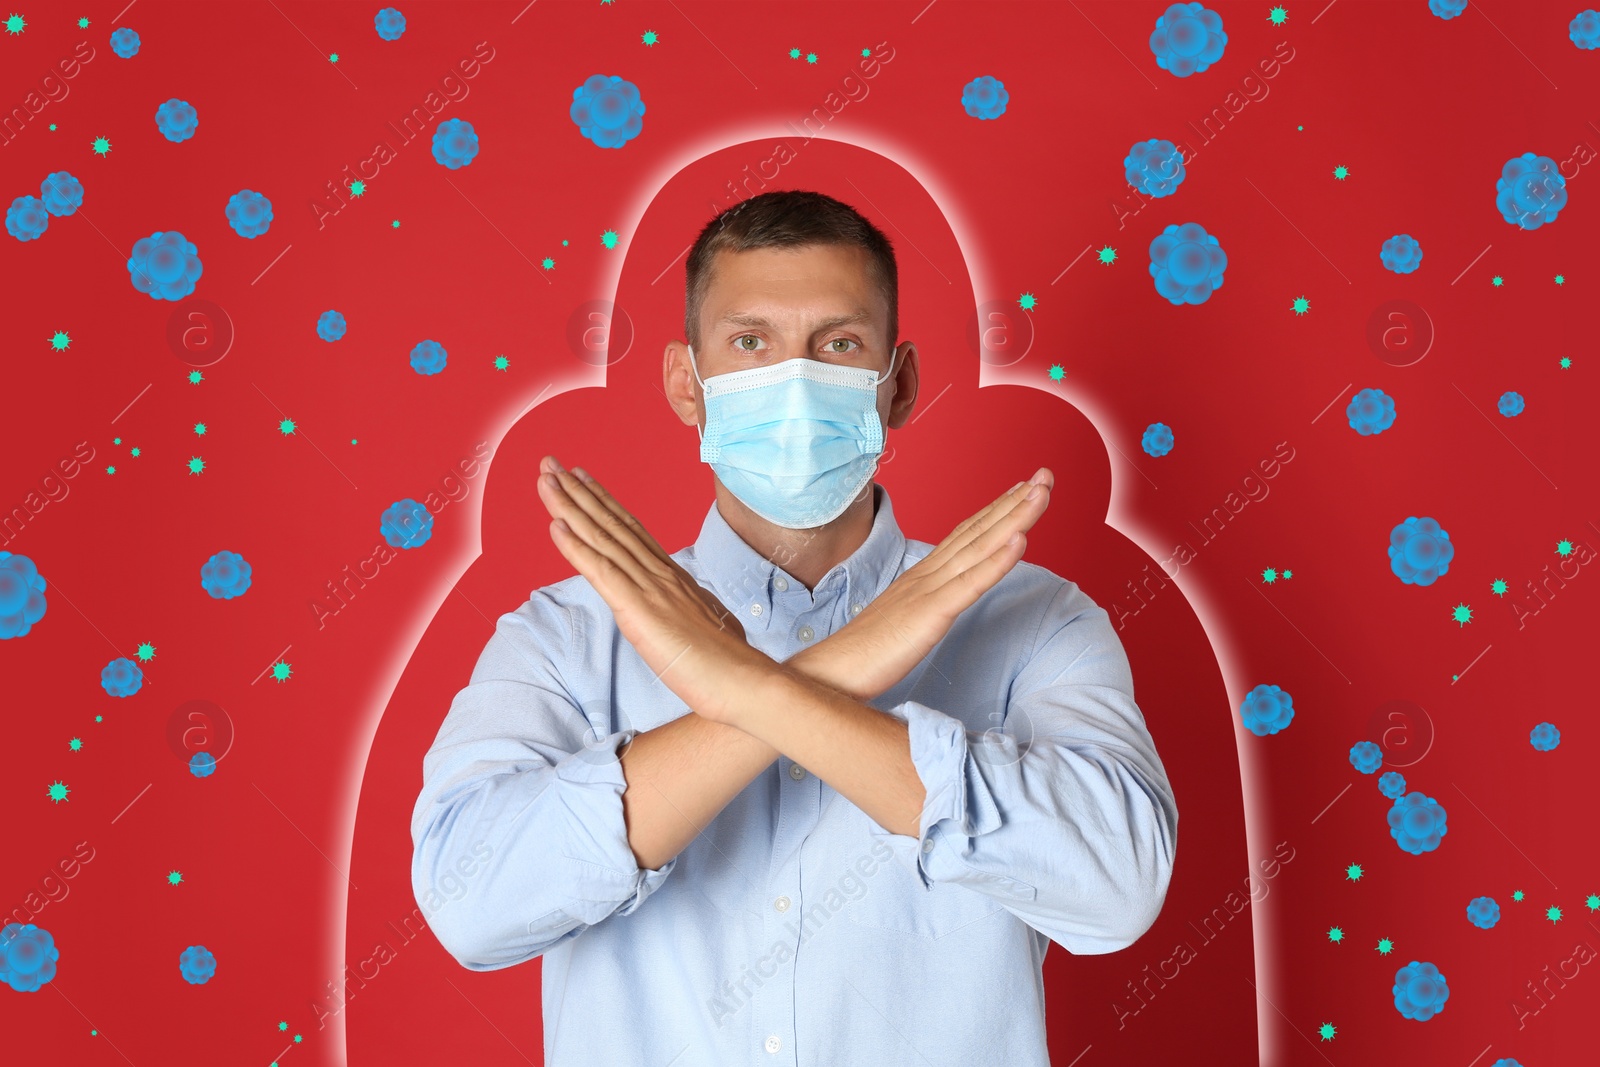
point(794, 929)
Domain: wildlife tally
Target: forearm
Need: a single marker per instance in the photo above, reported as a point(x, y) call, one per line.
point(680, 775)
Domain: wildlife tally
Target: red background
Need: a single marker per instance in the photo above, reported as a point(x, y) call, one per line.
point(295, 854)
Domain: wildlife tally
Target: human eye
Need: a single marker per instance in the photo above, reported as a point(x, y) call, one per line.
point(739, 343)
point(841, 341)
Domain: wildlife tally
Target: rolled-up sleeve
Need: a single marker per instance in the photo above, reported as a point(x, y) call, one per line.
point(1067, 796)
point(518, 835)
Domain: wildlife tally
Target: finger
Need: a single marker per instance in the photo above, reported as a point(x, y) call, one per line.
point(988, 538)
point(971, 527)
point(615, 507)
point(598, 529)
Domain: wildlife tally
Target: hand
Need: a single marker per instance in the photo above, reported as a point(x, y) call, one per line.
point(680, 629)
point(871, 653)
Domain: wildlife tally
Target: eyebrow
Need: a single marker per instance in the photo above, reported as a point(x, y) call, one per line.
point(750, 321)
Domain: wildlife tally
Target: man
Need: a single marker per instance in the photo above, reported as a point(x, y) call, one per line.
point(893, 772)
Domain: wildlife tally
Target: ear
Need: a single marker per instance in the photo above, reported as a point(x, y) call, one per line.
point(679, 385)
point(906, 380)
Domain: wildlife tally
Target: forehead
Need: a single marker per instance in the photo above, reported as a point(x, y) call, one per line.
point(808, 278)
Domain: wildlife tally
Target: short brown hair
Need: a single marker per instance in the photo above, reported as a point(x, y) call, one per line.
point(787, 218)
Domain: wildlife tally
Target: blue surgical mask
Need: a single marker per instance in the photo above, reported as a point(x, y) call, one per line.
point(795, 441)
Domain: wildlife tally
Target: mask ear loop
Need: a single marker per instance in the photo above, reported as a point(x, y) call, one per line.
point(696, 371)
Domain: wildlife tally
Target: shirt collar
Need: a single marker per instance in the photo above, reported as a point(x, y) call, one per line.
point(743, 577)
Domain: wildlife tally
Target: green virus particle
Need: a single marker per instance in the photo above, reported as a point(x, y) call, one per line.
point(1335, 934)
point(501, 363)
point(99, 718)
point(564, 244)
point(199, 429)
point(283, 1026)
point(101, 146)
point(1461, 613)
point(1107, 255)
point(1327, 1031)
point(1563, 548)
point(1499, 587)
point(83, 24)
point(1517, 896)
point(358, 188)
point(1353, 872)
point(196, 465)
point(58, 791)
point(15, 24)
point(1565, 362)
point(1299, 127)
point(1498, 281)
point(52, 126)
point(333, 57)
point(1277, 16)
point(286, 427)
point(609, 238)
point(1553, 913)
point(298, 1038)
point(649, 37)
point(1269, 575)
point(1287, 574)
point(1341, 172)
point(116, 440)
point(395, 224)
point(794, 53)
point(1385, 946)
point(865, 52)
point(76, 744)
point(547, 263)
point(1027, 301)
point(1301, 305)
point(1561, 279)
point(281, 671)
point(134, 452)
point(352, 440)
point(111, 470)
point(811, 57)
point(1592, 901)
point(1057, 372)
point(195, 377)
point(146, 652)
point(60, 342)
point(174, 877)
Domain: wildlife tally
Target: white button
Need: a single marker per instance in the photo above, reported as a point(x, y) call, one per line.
point(807, 633)
point(773, 1044)
point(755, 609)
point(782, 903)
point(927, 846)
point(780, 584)
point(796, 771)
point(855, 609)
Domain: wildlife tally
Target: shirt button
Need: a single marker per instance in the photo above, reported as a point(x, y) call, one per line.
point(780, 584)
point(755, 609)
point(782, 903)
point(796, 771)
point(927, 846)
point(773, 1044)
point(855, 609)
point(807, 633)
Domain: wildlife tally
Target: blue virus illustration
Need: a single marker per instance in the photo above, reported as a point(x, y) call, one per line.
point(1419, 551)
point(1266, 710)
point(202, 765)
point(1545, 736)
point(22, 600)
point(1584, 29)
point(121, 677)
point(330, 325)
point(1511, 404)
point(1417, 822)
point(389, 23)
point(62, 193)
point(1483, 912)
point(1447, 9)
point(1392, 784)
point(1187, 39)
point(1531, 191)
point(1187, 263)
point(429, 357)
point(249, 213)
point(125, 43)
point(1419, 991)
point(455, 143)
point(26, 218)
point(607, 110)
point(985, 97)
point(1366, 756)
point(225, 575)
point(197, 965)
point(165, 265)
point(1505, 1061)
point(1370, 412)
point(1154, 167)
point(27, 957)
point(1401, 253)
point(177, 119)
point(1157, 439)
point(406, 524)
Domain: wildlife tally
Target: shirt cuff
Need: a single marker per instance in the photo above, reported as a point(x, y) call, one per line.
point(958, 806)
point(605, 870)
